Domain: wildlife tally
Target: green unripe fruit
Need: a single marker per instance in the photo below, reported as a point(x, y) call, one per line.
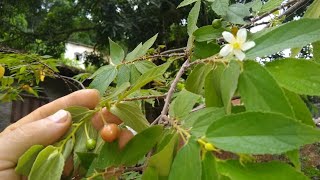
point(216, 23)
point(91, 144)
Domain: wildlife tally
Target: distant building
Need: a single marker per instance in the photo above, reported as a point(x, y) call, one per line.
point(77, 51)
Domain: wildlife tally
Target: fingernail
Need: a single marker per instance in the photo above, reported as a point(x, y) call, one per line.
point(59, 117)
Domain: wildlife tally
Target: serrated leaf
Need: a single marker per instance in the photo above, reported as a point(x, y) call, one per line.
point(140, 145)
point(48, 165)
point(148, 77)
point(144, 66)
point(123, 75)
point(131, 114)
point(212, 92)
point(133, 54)
point(236, 13)
point(116, 53)
point(260, 133)
point(193, 18)
point(102, 81)
point(209, 167)
point(271, 4)
point(195, 81)
point(187, 163)
point(260, 92)
point(299, 76)
point(289, 35)
point(26, 161)
point(146, 46)
point(200, 120)
point(220, 7)
point(300, 109)
point(229, 84)
point(207, 33)
point(183, 104)
point(162, 160)
point(262, 171)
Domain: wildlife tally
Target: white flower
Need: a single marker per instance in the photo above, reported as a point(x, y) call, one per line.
point(236, 44)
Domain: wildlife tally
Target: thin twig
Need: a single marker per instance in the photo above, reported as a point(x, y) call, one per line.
point(145, 97)
point(156, 56)
point(270, 12)
point(78, 82)
point(173, 87)
point(174, 50)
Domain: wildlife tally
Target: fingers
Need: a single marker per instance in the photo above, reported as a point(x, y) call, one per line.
point(86, 98)
point(45, 131)
point(104, 115)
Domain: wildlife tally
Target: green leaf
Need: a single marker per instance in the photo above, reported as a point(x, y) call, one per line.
point(256, 5)
point(162, 160)
point(86, 158)
point(133, 54)
point(140, 145)
point(131, 114)
point(123, 75)
point(110, 155)
point(316, 51)
point(186, 3)
point(134, 74)
point(193, 18)
point(68, 147)
point(299, 76)
point(148, 77)
point(212, 92)
point(260, 133)
point(187, 163)
point(262, 171)
point(48, 165)
point(119, 90)
point(81, 139)
point(204, 50)
point(290, 35)
point(195, 81)
point(146, 46)
point(220, 7)
point(116, 53)
point(207, 33)
point(294, 157)
point(26, 161)
point(300, 109)
point(271, 4)
point(183, 104)
point(209, 167)
point(236, 13)
point(150, 174)
point(144, 66)
point(313, 10)
point(77, 112)
point(102, 81)
point(229, 84)
point(200, 120)
point(260, 92)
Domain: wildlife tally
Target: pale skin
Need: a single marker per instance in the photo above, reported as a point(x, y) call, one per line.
point(45, 126)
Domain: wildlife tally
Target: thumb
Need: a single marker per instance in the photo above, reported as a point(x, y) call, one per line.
point(45, 131)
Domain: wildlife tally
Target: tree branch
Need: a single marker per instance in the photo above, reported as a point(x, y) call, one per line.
point(145, 97)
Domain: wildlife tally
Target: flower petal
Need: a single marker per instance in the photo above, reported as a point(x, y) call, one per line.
point(239, 54)
point(242, 35)
point(226, 50)
point(228, 37)
point(248, 45)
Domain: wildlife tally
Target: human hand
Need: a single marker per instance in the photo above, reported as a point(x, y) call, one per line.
point(45, 126)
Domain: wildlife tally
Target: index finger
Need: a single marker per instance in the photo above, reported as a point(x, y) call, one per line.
point(86, 98)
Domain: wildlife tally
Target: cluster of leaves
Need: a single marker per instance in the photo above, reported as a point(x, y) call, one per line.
point(271, 119)
point(23, 73)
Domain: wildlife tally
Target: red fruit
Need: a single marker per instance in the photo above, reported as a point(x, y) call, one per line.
point(110, 132)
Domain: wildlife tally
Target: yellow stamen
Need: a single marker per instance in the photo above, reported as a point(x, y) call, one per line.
point(236, 45)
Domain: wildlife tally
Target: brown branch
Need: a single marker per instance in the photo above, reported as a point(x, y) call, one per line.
point(270, 12)
point(295, 7)
point(145, 97)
